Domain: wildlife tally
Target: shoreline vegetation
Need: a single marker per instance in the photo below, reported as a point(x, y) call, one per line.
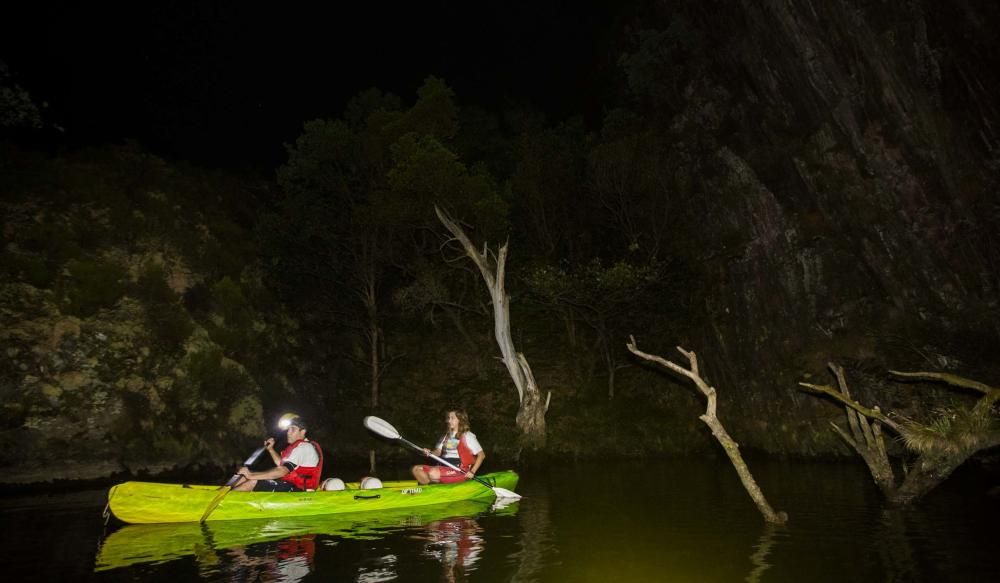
point(159, 314)
point(129, 326)
point(984, 467)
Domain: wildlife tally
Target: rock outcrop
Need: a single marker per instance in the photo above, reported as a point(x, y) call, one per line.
point(119, 356)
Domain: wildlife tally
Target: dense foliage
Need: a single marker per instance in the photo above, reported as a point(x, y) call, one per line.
point(771, 214)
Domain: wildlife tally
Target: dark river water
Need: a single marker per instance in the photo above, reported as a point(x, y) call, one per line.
point(679, 520)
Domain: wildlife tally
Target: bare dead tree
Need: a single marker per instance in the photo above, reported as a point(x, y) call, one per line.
point(710, 418)
point(532, 409)
point(938, 447)
point(865, 430)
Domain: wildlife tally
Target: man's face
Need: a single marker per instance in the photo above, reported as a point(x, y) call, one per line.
point(294, 433)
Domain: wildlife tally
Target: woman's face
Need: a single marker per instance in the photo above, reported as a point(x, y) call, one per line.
point(452, 421)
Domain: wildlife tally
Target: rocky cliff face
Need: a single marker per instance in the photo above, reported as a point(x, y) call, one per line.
point(847, 159)
point(90, 397)
point(124, 334)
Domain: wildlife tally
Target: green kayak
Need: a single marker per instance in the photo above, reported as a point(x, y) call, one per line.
point(149, 503)
point(159, 543)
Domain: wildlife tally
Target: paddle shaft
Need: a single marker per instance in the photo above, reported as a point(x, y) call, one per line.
point(249, 461)
point(229, 485)
point(443, 461)
point(386, 430)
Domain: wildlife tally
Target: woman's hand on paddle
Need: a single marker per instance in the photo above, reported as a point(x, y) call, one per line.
point(269, 443)
point(427, 452)
point(244, 471)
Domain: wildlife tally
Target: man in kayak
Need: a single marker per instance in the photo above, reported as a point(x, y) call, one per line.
point(459, 446)
point(297, 468)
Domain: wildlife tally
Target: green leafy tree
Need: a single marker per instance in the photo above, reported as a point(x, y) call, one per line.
point(17, 108)
point(359, 195)
point(553, 207)
point(631, 176)
point(605, 298)
point(664, 61)
point(426, 173)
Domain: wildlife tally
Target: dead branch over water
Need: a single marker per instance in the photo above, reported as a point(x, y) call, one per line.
point(710, 418)
point(938, 446)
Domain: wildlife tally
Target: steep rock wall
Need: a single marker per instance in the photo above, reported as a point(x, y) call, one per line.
point(847, 166)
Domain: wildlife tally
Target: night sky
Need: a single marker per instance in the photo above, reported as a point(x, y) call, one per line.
point(226, 83)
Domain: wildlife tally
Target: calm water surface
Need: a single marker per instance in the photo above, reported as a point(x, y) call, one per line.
point(680, 521)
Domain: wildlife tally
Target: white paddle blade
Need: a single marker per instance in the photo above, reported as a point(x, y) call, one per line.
point(505, 494)
point(382, 427)
point(500, 502)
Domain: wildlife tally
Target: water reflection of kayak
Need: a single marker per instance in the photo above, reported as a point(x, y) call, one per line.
point(148, 502)
point(158, 543)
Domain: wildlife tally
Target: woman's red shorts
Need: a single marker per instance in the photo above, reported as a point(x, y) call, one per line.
point(448, 475)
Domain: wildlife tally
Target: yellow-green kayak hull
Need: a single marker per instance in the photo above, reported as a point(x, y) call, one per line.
point(158, 543)
point(150, 503)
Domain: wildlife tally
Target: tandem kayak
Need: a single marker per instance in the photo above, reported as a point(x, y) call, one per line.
point(150, 503)
point(158, 543)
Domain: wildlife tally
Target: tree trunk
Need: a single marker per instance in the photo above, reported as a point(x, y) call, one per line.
point(925, 475)
point(369, 297)
point(866, 440)
point(937, 458)
point(531, 413)
point(367, 291)
point(531, 422)
point(569, 320)
point(373, 347)
point(609, 358)
point(456, 320)
point(732, 450)
point(611, 381)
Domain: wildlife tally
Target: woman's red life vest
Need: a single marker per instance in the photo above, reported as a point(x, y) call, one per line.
point(304, 477)
point(465, 454)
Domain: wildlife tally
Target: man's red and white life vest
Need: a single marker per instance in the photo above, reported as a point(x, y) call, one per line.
point(304, 477)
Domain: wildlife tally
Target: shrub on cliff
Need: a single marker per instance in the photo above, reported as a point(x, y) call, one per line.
point(92, 285)
point(169, 323)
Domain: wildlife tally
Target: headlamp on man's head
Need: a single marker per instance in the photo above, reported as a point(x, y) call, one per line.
point(289, 419)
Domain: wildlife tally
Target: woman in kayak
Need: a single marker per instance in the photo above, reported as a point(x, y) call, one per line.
point(298, 467)
point(460, 447)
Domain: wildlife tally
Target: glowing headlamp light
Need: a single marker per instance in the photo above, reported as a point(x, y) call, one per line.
point(286, 420)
